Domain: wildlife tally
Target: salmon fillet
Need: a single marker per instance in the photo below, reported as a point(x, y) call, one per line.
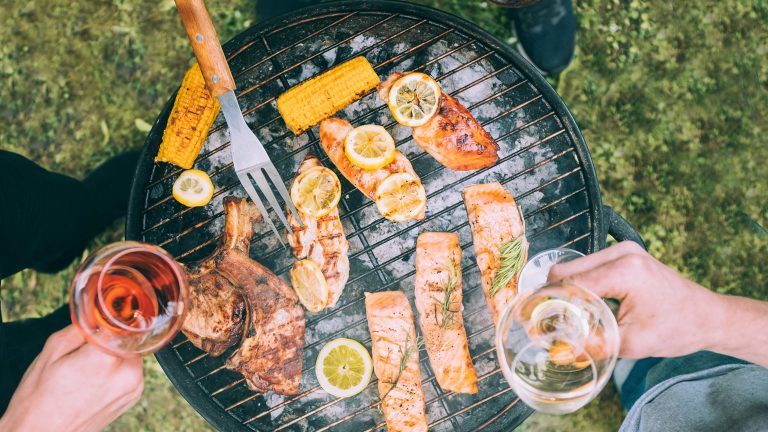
point(452, 136)
point(438, 267)
point(494, 219)
point(322, 240)
point(390, 322)
point(333, 131)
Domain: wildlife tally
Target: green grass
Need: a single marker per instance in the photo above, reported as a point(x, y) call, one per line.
point(672, 101)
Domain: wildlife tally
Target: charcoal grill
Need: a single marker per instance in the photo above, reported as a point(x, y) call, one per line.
point(543, 162)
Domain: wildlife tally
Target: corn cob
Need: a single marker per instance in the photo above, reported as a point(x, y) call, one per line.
point(321, 96)
point(192, 115)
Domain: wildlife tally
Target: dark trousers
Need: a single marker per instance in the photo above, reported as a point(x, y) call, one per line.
point(46, 220)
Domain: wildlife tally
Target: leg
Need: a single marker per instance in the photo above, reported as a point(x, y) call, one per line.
point(546, 31)
point(20, 343)
point(641, 375)
point(46, 219)
point(268, 9)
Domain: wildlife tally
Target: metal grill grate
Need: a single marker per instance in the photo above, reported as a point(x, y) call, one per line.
point(543, 162)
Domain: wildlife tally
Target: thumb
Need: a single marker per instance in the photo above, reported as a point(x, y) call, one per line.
point(608, 280)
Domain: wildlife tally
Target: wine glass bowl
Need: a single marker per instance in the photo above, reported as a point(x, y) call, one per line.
point(128, 298)
point(535, 272)
point(557, 347)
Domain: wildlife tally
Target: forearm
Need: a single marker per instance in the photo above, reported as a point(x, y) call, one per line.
point(739, 328)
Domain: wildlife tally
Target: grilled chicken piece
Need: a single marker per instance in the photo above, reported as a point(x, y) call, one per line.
point(494, 219)
point(438, 268)
point(270, 355)
point(452, 136)
point(216, 311)
point(332, 134)
point(390, 322)
point(322, 240)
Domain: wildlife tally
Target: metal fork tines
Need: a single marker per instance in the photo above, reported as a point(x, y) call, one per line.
point(251, 162)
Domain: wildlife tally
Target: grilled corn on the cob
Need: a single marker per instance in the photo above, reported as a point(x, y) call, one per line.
point(192, 115)
point(320, 97)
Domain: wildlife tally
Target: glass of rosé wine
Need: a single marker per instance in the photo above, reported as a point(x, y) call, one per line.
point(128, 298)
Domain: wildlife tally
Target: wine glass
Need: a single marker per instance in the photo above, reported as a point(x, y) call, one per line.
point(128, 298)
point(557, 346)
point(535, 272)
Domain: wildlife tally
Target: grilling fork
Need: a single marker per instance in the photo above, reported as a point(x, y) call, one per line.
point(249, 157)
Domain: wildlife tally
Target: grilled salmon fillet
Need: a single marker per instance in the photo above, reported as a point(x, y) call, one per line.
point(494, 219)
point(216, 314)
point(390, 322)
point(452, 136)
point(322, 240)
point(333, 131)
point(438, 300)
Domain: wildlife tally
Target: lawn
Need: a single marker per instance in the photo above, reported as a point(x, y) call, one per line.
point(672, 101)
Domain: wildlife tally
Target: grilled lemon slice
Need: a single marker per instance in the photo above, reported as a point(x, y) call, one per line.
point(343, 367)
point(316, 191)
point(414, 98)
point(369, 147)
point(400, 197)
point(193, 188)
point(310, 285)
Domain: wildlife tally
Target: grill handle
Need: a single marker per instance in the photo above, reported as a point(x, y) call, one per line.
point(205, 43)
point(619, 228)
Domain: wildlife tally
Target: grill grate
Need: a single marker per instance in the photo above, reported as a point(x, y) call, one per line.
point(543, 162)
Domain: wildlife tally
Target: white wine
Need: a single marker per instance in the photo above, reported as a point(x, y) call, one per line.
point(557, 346)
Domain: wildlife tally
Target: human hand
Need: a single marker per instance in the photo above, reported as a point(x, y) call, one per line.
point(662, 314)
point(73, 386)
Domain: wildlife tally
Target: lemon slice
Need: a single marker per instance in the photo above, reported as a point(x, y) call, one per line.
point(343, 367)
point(310, 285)
point(414, 98)
point(316, 191)
point(193, 188)
point(400, 197)
point(369, 147)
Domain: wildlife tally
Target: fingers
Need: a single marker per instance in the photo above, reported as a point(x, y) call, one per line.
point(564, 270)
point(613, 279)
point(62, 343)
point(127, 381)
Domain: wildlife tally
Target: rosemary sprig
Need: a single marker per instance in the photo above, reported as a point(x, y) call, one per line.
point(411, 346)
point(511, 259)
point(447, 314)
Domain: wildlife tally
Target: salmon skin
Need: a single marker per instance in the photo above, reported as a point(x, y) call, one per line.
point(494, 219)
point(438, 300)
point(393, 338)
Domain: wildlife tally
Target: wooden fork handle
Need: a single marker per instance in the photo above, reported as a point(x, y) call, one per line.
point(205, 43)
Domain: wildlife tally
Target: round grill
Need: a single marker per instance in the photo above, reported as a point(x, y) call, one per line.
point(543, 162)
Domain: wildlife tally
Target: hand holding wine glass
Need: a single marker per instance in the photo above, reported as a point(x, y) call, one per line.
point(73, 386)
point(662, 314)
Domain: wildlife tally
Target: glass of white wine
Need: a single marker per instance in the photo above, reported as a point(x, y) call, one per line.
point(557, 346)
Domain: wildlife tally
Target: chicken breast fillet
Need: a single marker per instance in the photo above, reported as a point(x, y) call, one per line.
point(322, 240)
point(452, 136)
